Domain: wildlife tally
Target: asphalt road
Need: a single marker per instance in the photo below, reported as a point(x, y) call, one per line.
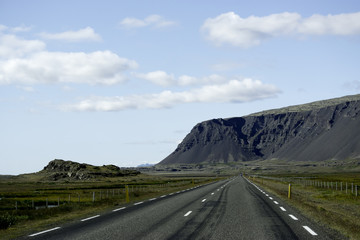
point(232, 209)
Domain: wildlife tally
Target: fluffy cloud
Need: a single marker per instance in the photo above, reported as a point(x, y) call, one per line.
point(12, 46)
point(21, 28)
point(101, 67)
point(158, 77)
point(156, 21)
point(28, 62)
point(164, 79)
point(245, 90)
point(230, 28)
point(85, 34)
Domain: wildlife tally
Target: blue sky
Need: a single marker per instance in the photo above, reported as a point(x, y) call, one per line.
point(123, 82)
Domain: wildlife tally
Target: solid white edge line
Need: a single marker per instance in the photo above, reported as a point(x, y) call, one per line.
point(138, 203)
point(283, 209)
point(152, 199)
point(310, 230)
point(85, 219)
point(49, 230)
point(188, 213)
point(163, 196)
point(293, 217)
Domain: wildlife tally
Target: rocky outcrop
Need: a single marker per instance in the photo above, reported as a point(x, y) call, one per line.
point(312, 132)
point(67, 170)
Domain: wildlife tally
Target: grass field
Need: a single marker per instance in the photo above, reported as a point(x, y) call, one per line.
point(320, 197)
point(26, 207)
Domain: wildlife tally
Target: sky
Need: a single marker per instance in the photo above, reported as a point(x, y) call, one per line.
point(123, 82)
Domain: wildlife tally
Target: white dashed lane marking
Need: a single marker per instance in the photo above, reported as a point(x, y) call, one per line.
point(118, 209)
point(203, 200)
point(49, 230)
point(188, 213)
point(310, 230)
point(293, 217)
point(283, 209)
point(89, 218)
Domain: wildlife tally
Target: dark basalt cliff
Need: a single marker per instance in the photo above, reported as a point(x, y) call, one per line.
point(311, 132)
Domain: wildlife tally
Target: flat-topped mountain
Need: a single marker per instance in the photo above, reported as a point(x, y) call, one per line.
point(317, 131)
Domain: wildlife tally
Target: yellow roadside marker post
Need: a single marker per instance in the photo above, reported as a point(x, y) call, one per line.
point(289, 193)
point(127, 194)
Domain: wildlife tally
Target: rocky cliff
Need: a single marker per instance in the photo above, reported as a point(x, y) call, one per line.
point(67, 170)
point(316, 131)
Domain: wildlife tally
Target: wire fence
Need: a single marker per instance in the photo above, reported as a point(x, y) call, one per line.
point(350, 188)
point(47, 199)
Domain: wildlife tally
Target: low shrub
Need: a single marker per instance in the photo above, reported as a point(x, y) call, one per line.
point(6, 220)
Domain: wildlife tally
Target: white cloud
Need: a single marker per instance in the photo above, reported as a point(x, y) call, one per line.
point(341, 24)
point(157, 77)
point(101, 67)
point(28, 62)
point(21, 28)
point(12, 46)
point(156, 21)
point(3, 27)
point(164, 79)
point(245, 90)
point(230, 28)
point(85, 34)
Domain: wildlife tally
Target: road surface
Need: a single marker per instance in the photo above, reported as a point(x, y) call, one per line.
point(231, 209)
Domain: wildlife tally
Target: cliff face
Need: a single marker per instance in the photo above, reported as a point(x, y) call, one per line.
point(312, 132)
point(67, 170)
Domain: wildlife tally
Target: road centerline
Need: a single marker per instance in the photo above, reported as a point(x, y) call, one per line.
point(188, 213)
